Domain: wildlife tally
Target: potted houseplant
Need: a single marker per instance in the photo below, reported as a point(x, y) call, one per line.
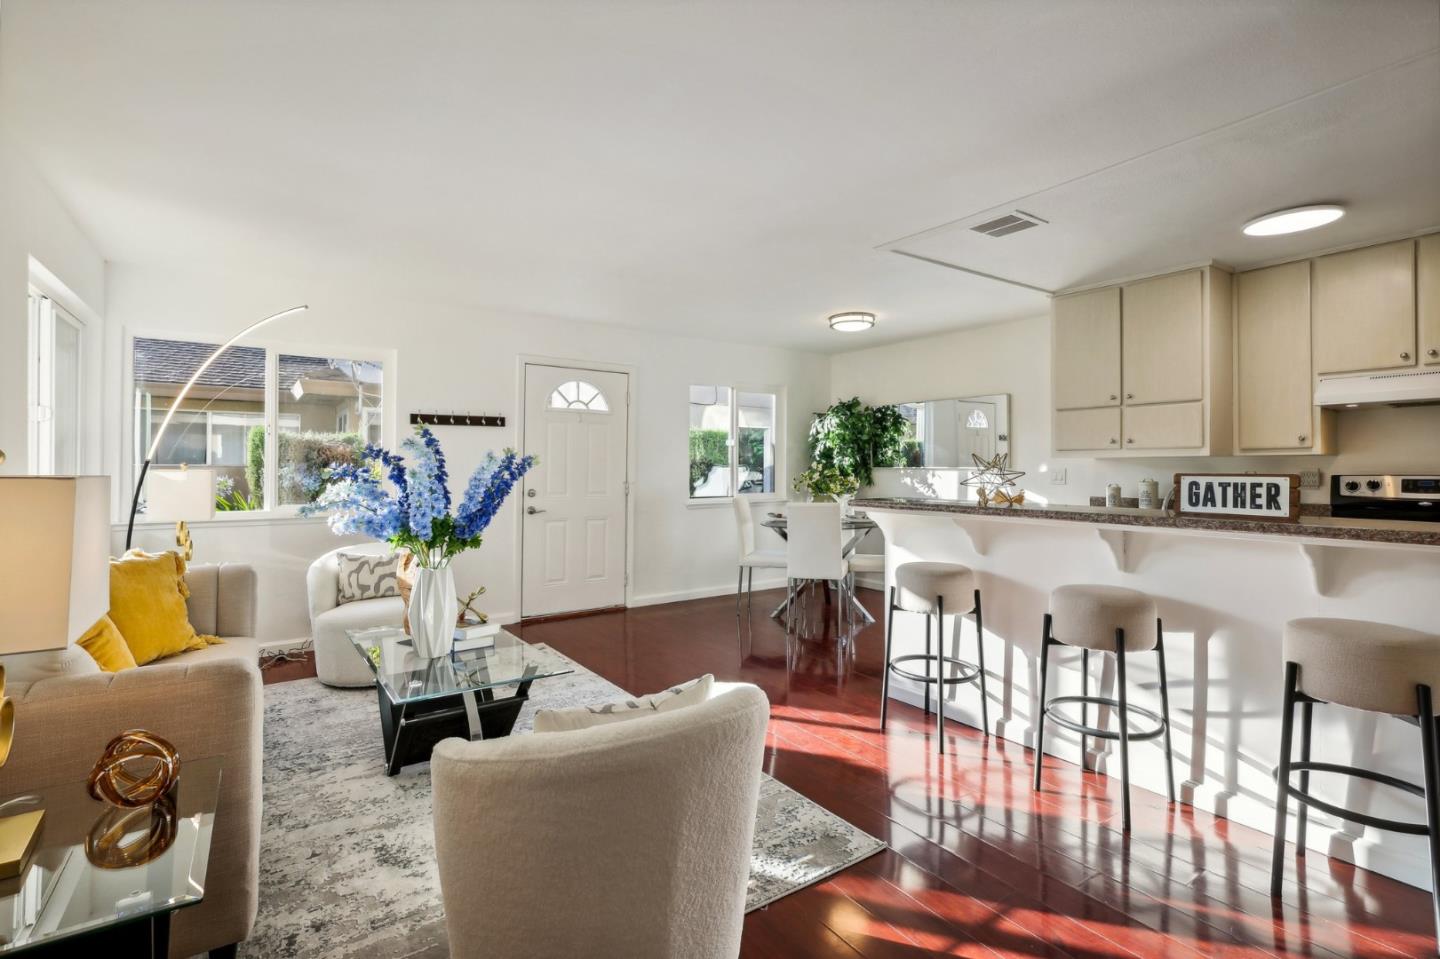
point(415, 515)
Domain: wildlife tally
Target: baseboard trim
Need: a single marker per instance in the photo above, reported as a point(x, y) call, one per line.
point(704, 592)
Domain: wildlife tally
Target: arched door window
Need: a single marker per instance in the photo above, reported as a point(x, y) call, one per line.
point(578, 395)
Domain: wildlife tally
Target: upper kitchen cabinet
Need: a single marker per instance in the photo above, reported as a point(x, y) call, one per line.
point(1162, 329)
point(1085, 344)
point(1275, 408)
point(1144, 368)
point(1363, 306)
point(1427, 263)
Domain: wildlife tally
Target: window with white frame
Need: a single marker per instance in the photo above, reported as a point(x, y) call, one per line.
point(733, 442)
point(56, 358)
point(324, 410)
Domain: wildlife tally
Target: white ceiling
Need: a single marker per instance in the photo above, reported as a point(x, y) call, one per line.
point(728, 169)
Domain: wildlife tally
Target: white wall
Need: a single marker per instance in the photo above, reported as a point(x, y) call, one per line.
point(1014, 358)
point(34, 225)
point(449, 358)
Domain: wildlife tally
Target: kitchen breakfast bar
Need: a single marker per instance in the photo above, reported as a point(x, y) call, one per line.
point(1224, 589)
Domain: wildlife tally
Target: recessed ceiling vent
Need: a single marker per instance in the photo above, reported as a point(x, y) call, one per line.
point(1008, 224)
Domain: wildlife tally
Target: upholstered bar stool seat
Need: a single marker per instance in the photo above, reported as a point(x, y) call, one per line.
point(1376, 667)
point(920, 587)
point(1118, 621)
point(1363, 665)
point(939, 590)
point(1087, 616)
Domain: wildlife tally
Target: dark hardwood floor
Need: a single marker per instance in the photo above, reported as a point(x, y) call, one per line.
point(978, 865)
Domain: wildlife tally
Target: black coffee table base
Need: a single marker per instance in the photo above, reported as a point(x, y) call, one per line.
point(411, 730)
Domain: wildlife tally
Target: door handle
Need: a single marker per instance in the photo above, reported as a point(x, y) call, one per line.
point(531, 510)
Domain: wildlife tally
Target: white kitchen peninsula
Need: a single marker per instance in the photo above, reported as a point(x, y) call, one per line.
point(1224, 589)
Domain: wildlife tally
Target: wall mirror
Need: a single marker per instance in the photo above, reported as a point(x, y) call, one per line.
point(944, 433)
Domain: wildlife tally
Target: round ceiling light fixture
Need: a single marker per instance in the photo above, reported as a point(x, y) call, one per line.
point(1295, 219)
point(852, 322)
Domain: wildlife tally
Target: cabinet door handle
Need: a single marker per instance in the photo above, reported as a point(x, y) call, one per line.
point(1129, 396)
point(1129, 439)
point(1404, 356)
point(1113, 441)
point(1427, 353)
point(1301, 438)
point(1113, 397)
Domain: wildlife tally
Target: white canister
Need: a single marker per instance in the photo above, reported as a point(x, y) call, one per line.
point(1149, 494)
point(1112, 495)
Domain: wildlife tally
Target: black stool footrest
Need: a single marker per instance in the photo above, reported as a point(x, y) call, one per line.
point(1078, 727)
point(970, 672)
point(1350, 815)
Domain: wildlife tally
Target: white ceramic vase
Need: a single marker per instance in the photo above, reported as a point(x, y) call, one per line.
point(433, 609)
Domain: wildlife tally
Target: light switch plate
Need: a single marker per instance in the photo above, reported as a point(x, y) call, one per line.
point(1057, 477)
point(1309, 479)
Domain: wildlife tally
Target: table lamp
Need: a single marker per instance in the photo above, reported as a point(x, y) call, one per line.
point(59, 528)
point(181, 496)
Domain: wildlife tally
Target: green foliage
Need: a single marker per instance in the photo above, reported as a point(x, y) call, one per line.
point(303, 458)
point(708, 449)
point(228, 499)
point(826, 482)
point(854, 439)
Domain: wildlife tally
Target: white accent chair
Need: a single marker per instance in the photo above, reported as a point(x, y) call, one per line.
point(336, 661)
point(751, 558)
point(627, 839)
point(815, 550)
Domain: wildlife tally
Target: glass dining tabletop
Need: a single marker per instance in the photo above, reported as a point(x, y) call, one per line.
point(409, 678)
point(778, 522)
point(61, 893)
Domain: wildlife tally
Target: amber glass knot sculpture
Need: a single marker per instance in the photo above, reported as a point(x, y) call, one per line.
point(137, 768)
point(122, 838)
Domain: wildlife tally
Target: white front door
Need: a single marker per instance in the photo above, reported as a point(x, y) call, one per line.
point(573, 544)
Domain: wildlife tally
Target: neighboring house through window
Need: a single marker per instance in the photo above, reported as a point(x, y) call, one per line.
point(324, 410)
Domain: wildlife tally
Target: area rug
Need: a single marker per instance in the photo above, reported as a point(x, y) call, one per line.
point(347, 859)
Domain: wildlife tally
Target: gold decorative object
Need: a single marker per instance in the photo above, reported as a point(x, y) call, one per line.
point(994, 481)
point(467, 605)
point(182, 540)
point(105, 843)
point(18, 833)
point(113, 780)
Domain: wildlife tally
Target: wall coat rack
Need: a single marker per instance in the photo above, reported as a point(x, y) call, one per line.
point(454, 419)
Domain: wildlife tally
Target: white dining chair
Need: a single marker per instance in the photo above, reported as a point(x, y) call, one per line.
point(815, 550)
point(751, 558)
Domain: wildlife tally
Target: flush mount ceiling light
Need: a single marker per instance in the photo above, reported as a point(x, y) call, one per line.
point(1294, 220)
point(852, 322)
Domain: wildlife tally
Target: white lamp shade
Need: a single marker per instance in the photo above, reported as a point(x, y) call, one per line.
point(59, 529)
point(173, 495)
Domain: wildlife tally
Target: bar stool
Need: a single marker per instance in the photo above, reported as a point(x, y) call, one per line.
point(1106, 619)
point(1371, 666)
point(931, 589)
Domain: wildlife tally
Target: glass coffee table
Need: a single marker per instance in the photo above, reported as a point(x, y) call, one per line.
point(423, 701)
point(64, 904)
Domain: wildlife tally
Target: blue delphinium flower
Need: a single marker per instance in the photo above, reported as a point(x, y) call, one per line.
point(417, 515)
point(487, 491)
point(429, 497)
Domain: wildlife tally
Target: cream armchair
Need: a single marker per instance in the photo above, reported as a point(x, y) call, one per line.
point(336, 662)
point(207, 702)
point(631, 839)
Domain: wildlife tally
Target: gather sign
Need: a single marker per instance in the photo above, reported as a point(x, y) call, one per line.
point(1274, 498)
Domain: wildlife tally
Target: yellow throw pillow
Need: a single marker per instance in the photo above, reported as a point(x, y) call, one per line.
point(107, 647)
point(147, 604)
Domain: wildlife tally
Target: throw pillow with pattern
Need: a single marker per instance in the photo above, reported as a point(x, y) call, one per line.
point(365, 576)
point(583, 717)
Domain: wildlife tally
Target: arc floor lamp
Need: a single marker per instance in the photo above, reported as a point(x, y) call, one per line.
point(180, 398)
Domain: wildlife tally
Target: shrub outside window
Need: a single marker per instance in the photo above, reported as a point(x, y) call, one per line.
point(732, 442)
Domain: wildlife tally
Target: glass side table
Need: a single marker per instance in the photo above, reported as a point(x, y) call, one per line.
point(65, 905)
point(423, 701)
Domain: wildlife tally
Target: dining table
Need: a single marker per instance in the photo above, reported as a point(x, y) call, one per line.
point(857, 525)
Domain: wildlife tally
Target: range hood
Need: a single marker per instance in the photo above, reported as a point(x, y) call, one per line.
point(1401, 388)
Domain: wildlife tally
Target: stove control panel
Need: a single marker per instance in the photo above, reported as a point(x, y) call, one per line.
point(1386, 486)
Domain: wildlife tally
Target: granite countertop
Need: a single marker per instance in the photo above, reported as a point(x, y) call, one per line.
point(1310, 526)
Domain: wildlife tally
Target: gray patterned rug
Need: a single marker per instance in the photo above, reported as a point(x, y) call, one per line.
point(347, 853)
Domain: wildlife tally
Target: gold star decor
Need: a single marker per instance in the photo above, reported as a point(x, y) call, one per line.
point(994, 481)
